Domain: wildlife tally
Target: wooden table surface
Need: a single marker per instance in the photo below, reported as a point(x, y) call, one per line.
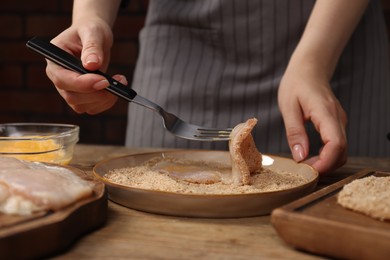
point(133, 234)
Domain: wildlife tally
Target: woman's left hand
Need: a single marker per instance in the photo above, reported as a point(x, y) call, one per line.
point(306, 96)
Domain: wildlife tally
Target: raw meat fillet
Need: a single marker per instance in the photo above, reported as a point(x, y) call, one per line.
point(26, 187)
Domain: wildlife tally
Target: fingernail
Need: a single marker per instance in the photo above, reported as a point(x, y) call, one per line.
point(298, 153)
point(101, 84)
point(123, 80)
point(92, 58)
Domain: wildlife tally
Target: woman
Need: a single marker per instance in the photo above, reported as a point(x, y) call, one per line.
point(217, 63)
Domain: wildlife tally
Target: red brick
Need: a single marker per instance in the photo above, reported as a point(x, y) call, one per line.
point(124, 53)
point(66, 6)
point(68, 111)
point(115, 131)
point(42, 118)
point(91, 128)
point(386, 5)
point(10, 76)
point(26, 5)
point(47, 25)
point(10, 26)
point(12, 118)
point(126, 70)
point(128, 27)
point(119, 109)
point(31, 102)
point(16, 51)
point(37, 79)
point(136, 6)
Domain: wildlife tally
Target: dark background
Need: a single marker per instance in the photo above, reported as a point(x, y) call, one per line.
point(26, 95)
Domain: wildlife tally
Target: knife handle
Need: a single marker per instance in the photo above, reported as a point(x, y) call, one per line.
point(68, 61)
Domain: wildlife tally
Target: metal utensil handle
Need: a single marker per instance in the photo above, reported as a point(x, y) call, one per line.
point(68, 61)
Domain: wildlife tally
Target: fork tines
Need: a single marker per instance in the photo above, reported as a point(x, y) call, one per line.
point(213, 133)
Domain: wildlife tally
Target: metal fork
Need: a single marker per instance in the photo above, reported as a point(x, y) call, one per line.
point(171, 122)
point(183, 129)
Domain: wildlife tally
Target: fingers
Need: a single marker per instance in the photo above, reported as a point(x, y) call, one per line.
point(328, 160)
point(91, 54)
point(332, 131)
point(94, 43)
point(122, 79)
point(72, 81)
point(310, 99)
point(331, 126)
point(103, 103)
point(93, 102)
point(296, 133)
point(293, 117)
point(84, 93)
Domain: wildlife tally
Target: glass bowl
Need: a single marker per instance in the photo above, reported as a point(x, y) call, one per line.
point(42, 142)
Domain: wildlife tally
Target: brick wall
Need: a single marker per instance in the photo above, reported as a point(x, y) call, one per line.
point(26, 95)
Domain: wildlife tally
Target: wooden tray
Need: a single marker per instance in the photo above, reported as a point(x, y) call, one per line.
point(316, 223)
point(43, 235)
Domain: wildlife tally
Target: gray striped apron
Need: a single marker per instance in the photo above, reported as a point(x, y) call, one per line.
point(219, 62)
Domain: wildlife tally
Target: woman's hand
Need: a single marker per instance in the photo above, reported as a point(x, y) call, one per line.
point(306, 96)
point(89, 38)
point(305, 93)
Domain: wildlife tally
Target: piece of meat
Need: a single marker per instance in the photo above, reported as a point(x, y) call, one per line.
point(28, 186)
point(11, 163)
point(245, 157)
point(15, 204)
point(193, 172)
point(3, 192)
point(369, 195)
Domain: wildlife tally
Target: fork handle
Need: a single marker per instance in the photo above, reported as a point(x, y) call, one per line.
point(68, 61)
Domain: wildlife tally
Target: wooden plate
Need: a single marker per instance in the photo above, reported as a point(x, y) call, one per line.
point(318, 224)
point(42, 235)
point(203, 205)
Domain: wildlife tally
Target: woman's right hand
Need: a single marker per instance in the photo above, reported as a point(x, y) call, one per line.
point(91, 41)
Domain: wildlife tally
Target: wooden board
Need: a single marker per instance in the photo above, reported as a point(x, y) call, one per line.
point(45, 234)
point(316, 223)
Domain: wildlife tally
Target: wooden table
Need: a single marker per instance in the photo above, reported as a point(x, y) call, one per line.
point(133, 234)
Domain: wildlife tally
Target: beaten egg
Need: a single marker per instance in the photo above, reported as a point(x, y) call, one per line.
point(34, 149)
